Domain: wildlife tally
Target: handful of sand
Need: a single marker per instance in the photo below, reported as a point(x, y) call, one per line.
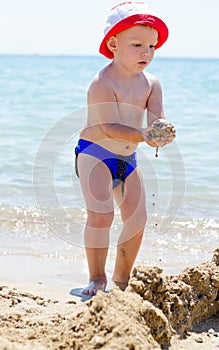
point(162, 130)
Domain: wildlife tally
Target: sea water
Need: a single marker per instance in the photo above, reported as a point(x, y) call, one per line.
point(42, 211)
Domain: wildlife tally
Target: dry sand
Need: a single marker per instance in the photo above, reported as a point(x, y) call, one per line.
point(156, 311)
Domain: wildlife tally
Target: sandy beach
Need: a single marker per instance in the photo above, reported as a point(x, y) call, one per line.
point(42, 255)
point(156, 311)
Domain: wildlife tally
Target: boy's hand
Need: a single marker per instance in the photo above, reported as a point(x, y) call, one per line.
point(160, 133)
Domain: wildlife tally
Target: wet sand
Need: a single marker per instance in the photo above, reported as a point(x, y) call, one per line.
point(156, 311)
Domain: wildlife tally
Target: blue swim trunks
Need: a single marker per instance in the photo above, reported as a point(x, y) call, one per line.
point(119, 166)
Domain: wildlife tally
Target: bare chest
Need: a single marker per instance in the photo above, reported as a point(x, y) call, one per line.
point(134, 93)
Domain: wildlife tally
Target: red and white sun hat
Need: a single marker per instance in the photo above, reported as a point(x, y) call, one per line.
point(129, 14)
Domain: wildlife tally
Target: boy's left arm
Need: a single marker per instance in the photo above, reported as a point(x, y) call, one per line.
point(155, 112)
point(155, 102)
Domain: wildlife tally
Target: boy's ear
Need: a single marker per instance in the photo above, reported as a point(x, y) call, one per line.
point(112, 44)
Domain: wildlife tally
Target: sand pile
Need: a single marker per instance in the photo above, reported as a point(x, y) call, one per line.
point(114, 321)
point(184, 299)
point(152, 309)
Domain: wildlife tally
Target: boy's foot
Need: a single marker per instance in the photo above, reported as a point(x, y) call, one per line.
point(121, 285)
point(95, 285)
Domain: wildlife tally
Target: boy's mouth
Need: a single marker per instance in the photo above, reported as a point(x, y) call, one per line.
point(142, 63)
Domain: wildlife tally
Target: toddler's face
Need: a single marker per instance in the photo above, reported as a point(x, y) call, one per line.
point(135, 45)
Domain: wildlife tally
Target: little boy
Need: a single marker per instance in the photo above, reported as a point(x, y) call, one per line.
point(106, 161)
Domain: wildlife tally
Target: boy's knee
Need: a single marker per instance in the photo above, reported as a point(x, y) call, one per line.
point(144, 217)
point(100, 220)
point(137, 221)
point(140, 222)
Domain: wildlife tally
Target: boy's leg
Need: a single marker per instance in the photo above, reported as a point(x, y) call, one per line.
point(96, 184)
point(133, 213)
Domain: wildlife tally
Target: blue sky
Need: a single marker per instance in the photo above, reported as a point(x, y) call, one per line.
point(75, 27)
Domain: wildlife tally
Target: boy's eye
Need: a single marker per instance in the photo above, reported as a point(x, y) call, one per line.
point(139, 45)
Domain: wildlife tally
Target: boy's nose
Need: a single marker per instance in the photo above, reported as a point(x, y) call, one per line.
point(146, 51)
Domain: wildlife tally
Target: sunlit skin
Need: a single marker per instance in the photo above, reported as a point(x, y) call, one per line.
point(118, 97)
